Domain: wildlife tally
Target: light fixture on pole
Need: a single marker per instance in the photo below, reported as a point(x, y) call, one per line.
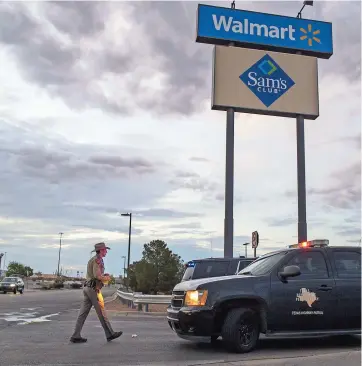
point(60, 248)
point(309, 3)
point(129, 237)
point(246, 249)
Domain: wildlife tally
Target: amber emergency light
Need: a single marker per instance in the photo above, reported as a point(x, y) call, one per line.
point(316, 243)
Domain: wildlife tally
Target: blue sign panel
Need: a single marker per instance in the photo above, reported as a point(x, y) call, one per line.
point(217, 25)
point(267, 80)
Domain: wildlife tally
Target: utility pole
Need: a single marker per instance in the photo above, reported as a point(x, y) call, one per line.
point(60, 248)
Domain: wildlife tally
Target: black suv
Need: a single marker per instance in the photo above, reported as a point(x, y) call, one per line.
point(291, 292)
point(12, 284)
point(214, 267)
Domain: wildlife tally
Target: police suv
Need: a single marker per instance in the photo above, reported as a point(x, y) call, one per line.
point(304, 290)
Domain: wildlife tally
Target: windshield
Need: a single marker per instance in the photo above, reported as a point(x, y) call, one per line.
point(188, 274)
point(263, 265)
point(206, 269)
point(9, 279)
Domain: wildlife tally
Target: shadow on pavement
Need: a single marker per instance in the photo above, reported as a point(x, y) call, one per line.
point(280, 344)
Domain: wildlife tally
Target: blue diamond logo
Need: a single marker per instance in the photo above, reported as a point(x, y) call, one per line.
point(267, 80)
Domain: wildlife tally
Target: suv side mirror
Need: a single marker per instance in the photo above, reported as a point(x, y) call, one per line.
point(290, 271)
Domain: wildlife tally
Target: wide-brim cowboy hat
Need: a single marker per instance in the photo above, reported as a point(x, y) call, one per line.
point(100, 246)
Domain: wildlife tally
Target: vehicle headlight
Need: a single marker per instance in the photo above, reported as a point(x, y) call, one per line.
point(12, 285)
point(196, 298)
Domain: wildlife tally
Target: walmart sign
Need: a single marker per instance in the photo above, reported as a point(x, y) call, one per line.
point(216, 25)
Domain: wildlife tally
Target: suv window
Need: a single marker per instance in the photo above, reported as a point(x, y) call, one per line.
point(263, 265)
point(210, 269)
point(311, 264)
point(348, 264)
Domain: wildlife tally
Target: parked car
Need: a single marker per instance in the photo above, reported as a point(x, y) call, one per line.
point(306, 291)
point(214, 267)
point(12, 284)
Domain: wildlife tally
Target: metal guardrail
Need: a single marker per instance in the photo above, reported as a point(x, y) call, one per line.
point(137, 298)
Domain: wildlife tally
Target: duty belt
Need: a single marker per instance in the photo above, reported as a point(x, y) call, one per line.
point(94, 284)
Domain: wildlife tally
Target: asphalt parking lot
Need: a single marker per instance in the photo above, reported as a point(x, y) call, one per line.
point(38, 325)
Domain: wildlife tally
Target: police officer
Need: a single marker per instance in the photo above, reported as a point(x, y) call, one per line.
point(92, 296)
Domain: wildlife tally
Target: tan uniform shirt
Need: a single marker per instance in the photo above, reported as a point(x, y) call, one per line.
point(94, 264)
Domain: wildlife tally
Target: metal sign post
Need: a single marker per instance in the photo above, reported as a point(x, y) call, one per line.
point(302, 196)
point(229, 186)
point(254, 241)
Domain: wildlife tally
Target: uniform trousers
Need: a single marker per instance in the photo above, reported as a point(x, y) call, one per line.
point(91, 298)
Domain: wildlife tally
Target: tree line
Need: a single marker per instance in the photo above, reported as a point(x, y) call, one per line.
point(15, 268)
point(158, 271)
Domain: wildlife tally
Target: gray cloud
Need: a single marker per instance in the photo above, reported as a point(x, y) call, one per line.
point(184, 174)
point(75, 72)
point(69, 185)
point(56, 166)
point(350, 232)
point(343, 190)
point(77, 18)
point(280, 221)
point(199, 159)
point(195, 184)
point(189, 225)
point(160, 212)
point(346, 19)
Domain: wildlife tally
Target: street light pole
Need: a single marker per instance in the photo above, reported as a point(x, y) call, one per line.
point(124, 267)
point(129, 237)
point(60, 248)
point(246, 249)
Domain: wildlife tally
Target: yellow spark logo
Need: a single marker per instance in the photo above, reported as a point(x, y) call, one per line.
point(310, 35)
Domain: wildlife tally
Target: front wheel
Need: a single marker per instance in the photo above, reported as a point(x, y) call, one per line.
point(21, 291)
point(240, 332)
point(14, 291)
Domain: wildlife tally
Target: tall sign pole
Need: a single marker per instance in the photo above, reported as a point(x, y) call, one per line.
point(229, 179)
point(229, 186)
point(302, 194)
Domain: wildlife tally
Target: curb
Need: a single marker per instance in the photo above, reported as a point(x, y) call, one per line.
point(351, 357)
point(136, 314)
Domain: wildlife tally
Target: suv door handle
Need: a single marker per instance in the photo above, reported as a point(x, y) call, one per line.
point(325, 288)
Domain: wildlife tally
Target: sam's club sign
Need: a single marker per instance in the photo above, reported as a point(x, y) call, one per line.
point(216, 25)
point(267, 80)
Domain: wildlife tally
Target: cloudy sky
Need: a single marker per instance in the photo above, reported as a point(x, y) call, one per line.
point(105, 108)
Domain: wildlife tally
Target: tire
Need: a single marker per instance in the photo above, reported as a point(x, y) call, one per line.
point(4, 292)
point(213, 339)
point(240, 331)
point(21, 291)
point(14, 291)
